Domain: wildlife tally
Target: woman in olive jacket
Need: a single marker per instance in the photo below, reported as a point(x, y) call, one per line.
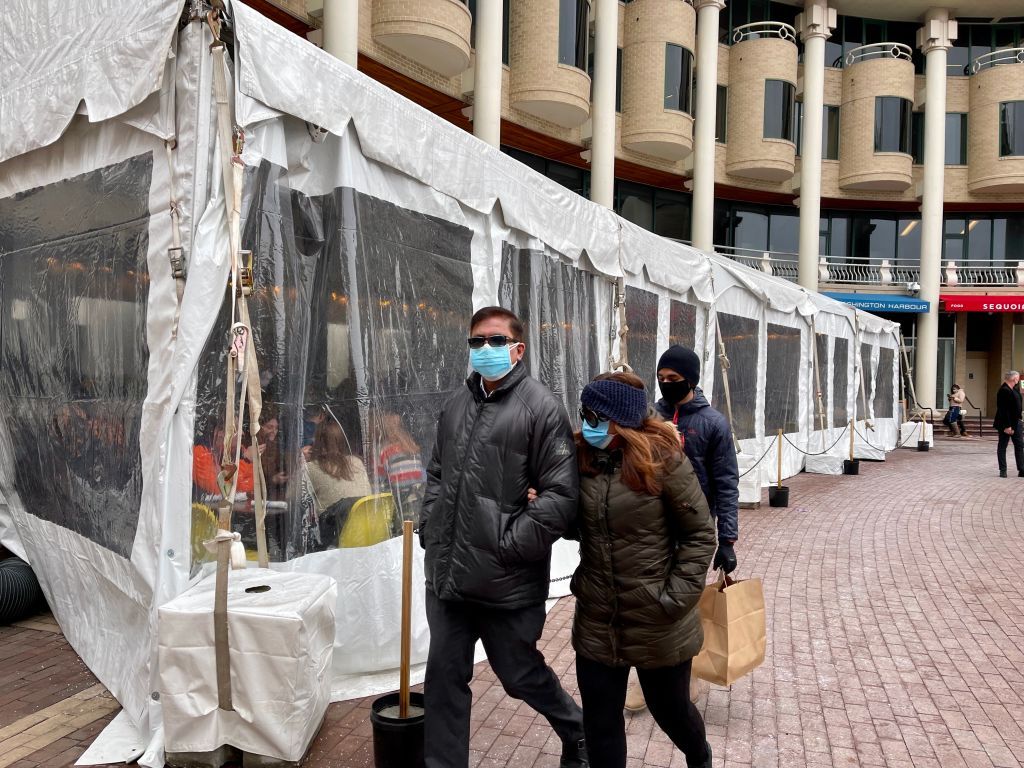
point(646, 541)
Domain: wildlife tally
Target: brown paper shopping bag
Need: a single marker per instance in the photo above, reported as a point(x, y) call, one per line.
point(732, 614)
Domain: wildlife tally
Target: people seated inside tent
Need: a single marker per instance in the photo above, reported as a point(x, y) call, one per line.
point(399, 466)
point(337, 478)
point(206, 461)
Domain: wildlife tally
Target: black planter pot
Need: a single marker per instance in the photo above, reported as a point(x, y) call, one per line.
point(851, 467)
point(778, 496)
point(397, 742)
point(923, 445)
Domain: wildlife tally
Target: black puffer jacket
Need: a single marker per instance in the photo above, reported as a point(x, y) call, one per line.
point(643, 561)
point(483, 542)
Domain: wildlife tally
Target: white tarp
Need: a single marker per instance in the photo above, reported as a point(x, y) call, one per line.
point(376, 229)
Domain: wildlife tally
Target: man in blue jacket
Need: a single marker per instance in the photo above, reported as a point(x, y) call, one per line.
point(707, 441)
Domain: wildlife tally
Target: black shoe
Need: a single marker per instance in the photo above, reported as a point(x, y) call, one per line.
point(1002, 473)
point(706, 763)
point(574, 755)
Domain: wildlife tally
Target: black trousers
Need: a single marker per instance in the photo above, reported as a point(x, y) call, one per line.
point(510, 639)
point(667, 692)
point(1018, 448)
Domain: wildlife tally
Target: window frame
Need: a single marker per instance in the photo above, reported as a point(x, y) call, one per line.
point(686, 72)
point(1011, 140)
point(788, 115)
point(904, 136)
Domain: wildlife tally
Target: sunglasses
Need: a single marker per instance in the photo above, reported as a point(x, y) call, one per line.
point(497, 340)
point(593, 418)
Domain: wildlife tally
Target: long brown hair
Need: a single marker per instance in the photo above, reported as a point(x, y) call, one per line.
point(647, 452)
point(330, 450)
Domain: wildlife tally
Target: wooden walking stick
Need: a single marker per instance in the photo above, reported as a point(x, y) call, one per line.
point(403, 690)
point(780, 459)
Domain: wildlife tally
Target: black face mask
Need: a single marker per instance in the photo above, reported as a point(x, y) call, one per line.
point(675, 391)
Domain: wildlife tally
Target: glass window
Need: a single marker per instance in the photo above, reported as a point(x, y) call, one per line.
point(953, 242)
point(840, 382)
point(782, 379)
point(853, 33)
point(636, 204)
point(742, 345)
point(784, 233)
point(892, 124)
point(472, 4)
point(672, 214)
point(678, 78)
point(908, 245)
point(884, 377)
point(822, 342)
point(569, 176)
point(779, 98)
point(958, 60)
point(917, 137)
point(980, 37)
point(830, 129)
point(956, 138)
point(750, 229)
point(572, 32)
point(642, 319)
point(979, 240)
point(682, 325)
point(721, 114)
point(1011, 129)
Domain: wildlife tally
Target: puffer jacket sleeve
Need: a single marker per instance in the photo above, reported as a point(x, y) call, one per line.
point(725, 474)
point(433, 487)
point(694, 533)
point(552, 467)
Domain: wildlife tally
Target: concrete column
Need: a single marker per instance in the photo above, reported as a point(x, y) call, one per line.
point(341, 30)
point(487, 72)
point(602, 110)
point(702, 221)
point(815, 26)
point(934, 39)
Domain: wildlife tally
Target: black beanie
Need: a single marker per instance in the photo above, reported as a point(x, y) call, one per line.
point(683, 361)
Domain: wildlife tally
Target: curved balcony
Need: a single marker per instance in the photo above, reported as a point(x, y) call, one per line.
point(657, 101)
point(546, 77)
point(995, 131)
point(875, 117)
point(434, 33)
point(762, 77)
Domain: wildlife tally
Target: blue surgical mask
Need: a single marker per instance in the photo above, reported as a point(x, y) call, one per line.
point(598, 436)
point(493, 363)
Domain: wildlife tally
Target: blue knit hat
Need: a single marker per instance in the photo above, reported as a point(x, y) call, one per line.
point(619, 402)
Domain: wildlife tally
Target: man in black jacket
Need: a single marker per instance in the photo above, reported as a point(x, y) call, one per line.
point(488, 550)
point(1008, 422)
point(707, 441)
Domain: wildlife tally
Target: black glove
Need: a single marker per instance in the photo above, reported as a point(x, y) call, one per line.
point(725, 557)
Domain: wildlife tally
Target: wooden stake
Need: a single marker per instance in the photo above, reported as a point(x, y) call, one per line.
point(403, 691)
point(851, 439)
point(780, 458)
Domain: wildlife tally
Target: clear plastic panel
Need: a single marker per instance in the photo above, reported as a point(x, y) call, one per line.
point(682, 324)
point(822, 342)
point(782, 380)
point(556, 303)
point(841, 383)
point(740, 336)
point(642, 319)
point(884, 394)
point(73, 354)
point(360, 313)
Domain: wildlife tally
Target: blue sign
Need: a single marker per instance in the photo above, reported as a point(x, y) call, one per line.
point(880, 302)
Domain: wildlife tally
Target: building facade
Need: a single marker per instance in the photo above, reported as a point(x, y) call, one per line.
point(868, 149)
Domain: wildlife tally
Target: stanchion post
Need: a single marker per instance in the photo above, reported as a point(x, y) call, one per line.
point(779, 476)
point(851, 439)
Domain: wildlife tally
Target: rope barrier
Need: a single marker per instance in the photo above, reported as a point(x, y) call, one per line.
point(766, 452)
point(823, 453)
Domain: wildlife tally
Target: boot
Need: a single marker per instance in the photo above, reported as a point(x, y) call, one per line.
point(635, 698)
point(574, 755)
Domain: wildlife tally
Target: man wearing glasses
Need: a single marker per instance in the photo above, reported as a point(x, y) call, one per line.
point(488, 549)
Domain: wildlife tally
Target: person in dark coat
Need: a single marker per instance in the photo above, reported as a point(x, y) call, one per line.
point(1008, 422)
point(646, 541)
point(488, 547)
point(707, 441)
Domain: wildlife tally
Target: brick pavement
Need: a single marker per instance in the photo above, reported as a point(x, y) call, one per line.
point(896, 638)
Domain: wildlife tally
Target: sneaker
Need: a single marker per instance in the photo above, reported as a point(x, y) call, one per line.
point(574, 755)
point(635, 698)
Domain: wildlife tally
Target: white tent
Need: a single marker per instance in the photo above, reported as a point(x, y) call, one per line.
point(376, 228)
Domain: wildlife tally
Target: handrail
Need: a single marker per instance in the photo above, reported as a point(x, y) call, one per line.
point(879, 51)
point(997, 58)
point(758, 29)
point(981, 426)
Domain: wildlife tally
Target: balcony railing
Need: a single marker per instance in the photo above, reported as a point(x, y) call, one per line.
point(775, 263)
point(764, 29)
point(998, 58)
point(879, 51)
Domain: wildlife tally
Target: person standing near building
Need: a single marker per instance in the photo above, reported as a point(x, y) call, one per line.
point(488, 547)
point(646, 540)
point(954, 415)
point(1008, 422)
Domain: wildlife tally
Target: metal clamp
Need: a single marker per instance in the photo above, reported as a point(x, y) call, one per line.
point(176, 256)
point(245, 274)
